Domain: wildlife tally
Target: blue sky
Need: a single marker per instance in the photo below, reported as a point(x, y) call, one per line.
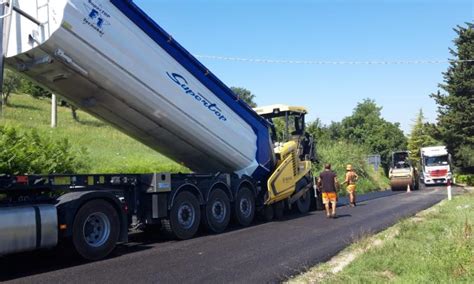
point(322, 31)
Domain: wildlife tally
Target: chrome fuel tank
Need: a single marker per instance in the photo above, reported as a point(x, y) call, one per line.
point(28, 228)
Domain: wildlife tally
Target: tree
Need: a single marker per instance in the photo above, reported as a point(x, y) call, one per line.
point(11, 84)
point(419, 137)
point(34, 90)
point(456, 102)
point(335, 130)
point(319, 131)
point(366, 127)
point(244, 95)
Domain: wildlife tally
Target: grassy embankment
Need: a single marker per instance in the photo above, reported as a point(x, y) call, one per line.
point(108, 150)
point(435, 246)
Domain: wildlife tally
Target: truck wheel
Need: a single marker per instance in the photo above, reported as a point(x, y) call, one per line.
point(217, 211)
point(244, 207)
point(304, 202)
point(185, 216)
point(96, 229)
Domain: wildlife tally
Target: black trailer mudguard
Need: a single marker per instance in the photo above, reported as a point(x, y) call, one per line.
point(69, 203)
point(239, 182)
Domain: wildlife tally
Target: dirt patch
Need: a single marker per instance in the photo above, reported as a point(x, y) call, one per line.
point(417, 219)
point(387, 274)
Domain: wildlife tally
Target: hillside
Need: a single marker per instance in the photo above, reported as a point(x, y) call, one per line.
point(108, 150)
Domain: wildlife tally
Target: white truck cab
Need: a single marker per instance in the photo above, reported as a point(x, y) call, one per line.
point(435, 165)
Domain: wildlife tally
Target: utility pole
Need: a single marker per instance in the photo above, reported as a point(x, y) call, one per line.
point(3, 10)
point(5, 21)
point(54, 111)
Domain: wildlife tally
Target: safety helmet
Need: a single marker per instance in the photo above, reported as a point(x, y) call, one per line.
point(349, 167)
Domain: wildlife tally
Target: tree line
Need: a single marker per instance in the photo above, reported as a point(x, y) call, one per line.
point(455, 100)
point(455, 122)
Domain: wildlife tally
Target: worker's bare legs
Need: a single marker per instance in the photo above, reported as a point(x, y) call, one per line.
point(352, 198)
point(328, 214)
point(333, 204)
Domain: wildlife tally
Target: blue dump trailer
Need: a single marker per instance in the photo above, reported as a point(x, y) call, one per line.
point(114, 62)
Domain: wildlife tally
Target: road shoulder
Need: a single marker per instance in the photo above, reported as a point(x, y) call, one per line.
point(436, 244)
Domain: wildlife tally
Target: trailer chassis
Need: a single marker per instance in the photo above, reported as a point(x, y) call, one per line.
point(96, 211)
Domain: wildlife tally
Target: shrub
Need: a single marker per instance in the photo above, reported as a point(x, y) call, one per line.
point(29, 153)
point(466, 179)
point(340, 154)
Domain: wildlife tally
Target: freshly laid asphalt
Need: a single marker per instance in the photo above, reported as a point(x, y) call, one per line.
point(264, 252)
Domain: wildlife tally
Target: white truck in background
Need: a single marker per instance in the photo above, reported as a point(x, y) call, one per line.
point(435, 165)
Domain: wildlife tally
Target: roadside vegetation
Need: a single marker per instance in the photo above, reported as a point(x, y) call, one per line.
point(341, 153)
point(465, 179)
point(94, 146)
point(352, 140)
point(434, 246)
point(455, 125)
point(28, 152)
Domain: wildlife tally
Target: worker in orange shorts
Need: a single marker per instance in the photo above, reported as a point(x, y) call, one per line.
point(351, 178)
point(328, 184)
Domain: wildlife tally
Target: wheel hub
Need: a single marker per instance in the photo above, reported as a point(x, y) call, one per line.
point(96, 229)
point(186, 215)
point(219, 210)
point(245, 207)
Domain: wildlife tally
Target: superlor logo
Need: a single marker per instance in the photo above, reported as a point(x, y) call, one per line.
point(202, 100)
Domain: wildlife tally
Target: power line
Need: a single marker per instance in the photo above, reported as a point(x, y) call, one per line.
point(324, 62)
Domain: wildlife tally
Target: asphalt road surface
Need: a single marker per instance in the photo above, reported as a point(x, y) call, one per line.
point(265, 252)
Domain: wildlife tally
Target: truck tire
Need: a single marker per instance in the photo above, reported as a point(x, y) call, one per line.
point(217, 211)
point(96, 229)
point(304, 202)
point(185, 216)
point(244, 209)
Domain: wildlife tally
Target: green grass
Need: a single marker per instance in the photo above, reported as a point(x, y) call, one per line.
point(436, 246)
point(108, 150)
